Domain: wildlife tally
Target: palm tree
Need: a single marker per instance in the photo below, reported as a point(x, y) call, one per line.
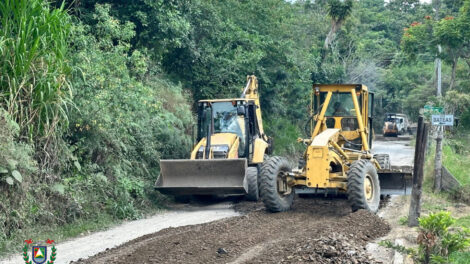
point(338, 10)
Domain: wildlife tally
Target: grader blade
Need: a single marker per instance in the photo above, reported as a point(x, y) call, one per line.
point(199, 177)
point(396, 181)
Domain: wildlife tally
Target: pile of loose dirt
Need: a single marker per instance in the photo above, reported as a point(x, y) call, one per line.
point(339, 242)
point(315, 230)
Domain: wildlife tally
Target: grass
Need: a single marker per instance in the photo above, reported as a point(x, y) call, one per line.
point(33, 84)
point(435, 202)
point(403, 220)
point(457, 164)
point(463, 221)
point(462, 257)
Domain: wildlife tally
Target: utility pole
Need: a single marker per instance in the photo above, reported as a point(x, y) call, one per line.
point(440, 133)
point(440, 129)
point(439, 73)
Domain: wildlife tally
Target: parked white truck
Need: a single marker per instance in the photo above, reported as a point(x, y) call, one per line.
point(395, 124)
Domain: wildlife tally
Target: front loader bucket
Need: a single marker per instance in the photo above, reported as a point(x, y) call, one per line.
point(397, 181)
point(214, 177)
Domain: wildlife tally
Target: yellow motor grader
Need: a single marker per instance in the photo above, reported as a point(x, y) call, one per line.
point(337, 156)
point(231, 146)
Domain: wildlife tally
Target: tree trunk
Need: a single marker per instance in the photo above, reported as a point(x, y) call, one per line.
point(438, 160)
point(418, 172)
point(454, 68)
point(335, 25)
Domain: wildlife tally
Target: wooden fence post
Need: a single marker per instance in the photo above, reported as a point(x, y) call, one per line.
point(418, 172)
point(438, 160)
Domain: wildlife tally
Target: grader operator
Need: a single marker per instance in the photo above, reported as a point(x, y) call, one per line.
point(337, 156)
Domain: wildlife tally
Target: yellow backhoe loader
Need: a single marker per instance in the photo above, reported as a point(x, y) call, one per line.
point(231, 146)
point(337, 156)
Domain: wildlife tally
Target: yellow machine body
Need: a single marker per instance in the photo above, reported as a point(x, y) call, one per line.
point(338, 138)
point(230, 138)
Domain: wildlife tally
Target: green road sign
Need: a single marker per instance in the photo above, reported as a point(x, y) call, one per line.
point(433, 110)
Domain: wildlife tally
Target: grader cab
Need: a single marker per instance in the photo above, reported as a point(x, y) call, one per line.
point(337, 156)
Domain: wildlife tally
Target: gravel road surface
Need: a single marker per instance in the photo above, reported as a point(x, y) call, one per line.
point(316, 230)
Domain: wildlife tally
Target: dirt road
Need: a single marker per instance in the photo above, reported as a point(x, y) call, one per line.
point(316, 230)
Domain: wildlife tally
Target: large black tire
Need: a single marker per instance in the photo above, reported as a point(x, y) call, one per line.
point(383, 160)
point(251, 175)
point(363, 186)
point(272, 199)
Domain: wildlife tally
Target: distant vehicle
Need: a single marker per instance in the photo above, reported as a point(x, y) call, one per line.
point(395, 124)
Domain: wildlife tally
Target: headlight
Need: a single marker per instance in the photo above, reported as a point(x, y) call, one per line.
point(218, 148)
point(220, 151)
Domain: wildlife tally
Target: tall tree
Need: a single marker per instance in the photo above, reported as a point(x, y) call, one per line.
point(338, 11)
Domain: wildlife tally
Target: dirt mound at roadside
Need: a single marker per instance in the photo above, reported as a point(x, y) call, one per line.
point(342, 241)
point(315, 230)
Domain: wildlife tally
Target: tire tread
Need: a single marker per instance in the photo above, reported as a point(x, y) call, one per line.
point(268, 185)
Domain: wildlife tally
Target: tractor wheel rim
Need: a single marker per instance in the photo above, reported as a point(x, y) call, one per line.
point(368, 188)
point(280, 181)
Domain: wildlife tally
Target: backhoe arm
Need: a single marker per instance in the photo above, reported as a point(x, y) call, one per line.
point(251, 92)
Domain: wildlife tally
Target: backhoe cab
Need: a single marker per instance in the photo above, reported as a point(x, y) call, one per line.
point(337, 156)
point(231, 145)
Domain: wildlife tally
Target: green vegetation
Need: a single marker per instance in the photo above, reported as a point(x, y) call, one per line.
point(34, 68)
point(94, 92)
point(461, 257)
point(463, 222)
point(437, 243)
point(68, 162)
point(403, 220)
point(456, 154)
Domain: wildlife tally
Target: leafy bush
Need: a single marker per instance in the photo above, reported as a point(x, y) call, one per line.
point(128, 117)
point(465, 119)
point(16, 168)
point(436, 241)
point(284, 134)
point(15, 157)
